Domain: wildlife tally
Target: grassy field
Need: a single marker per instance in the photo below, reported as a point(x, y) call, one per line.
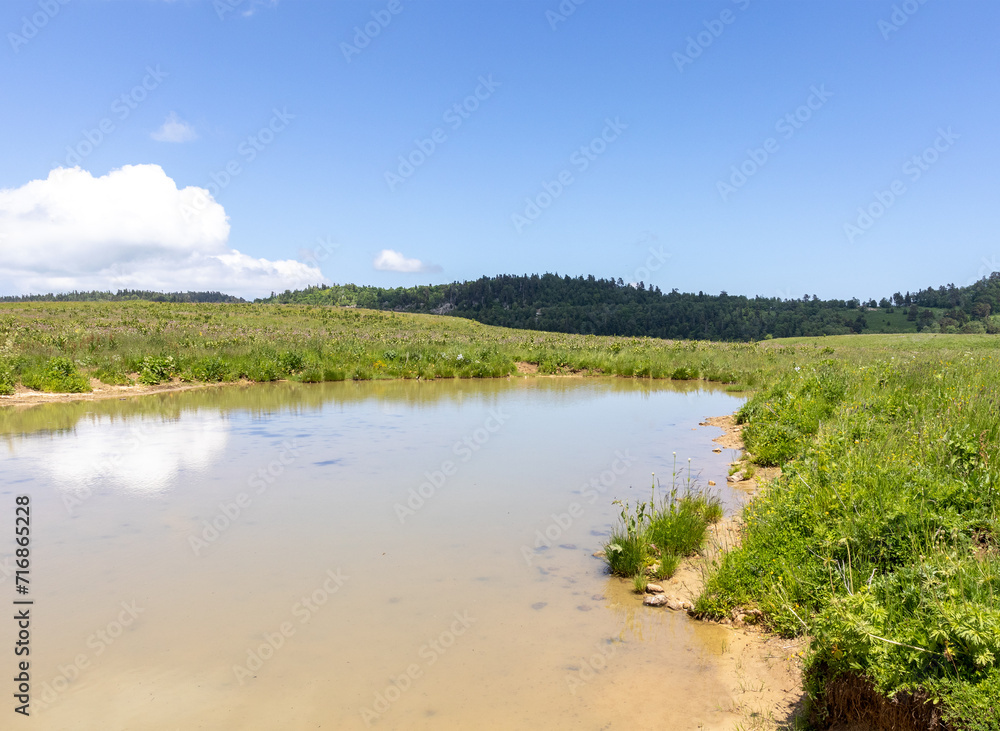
point(881, 540)
point(880, 321)
point(60, 346)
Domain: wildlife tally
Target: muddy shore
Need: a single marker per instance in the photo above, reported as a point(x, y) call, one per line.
point(763, 671)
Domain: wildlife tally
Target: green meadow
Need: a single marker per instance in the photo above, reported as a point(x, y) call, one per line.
point(881, 539)
point(58, 347)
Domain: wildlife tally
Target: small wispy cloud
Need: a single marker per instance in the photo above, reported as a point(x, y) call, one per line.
point(245, 8)
point(174, 129)
point(394, 261)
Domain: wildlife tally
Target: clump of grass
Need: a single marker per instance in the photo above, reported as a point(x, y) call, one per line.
point(290, 362)
point(712, 510)
point(212, 369)
point(156, 369)
point(746, 467)
point(7, 380)
point(57, 375)
point(626, 553)
point(672, 530)
point(640, 582)
point(782, 420)
point(334, 374)
point(667, 567)
point(679, 527)
point(684, 373)
point(113, 373)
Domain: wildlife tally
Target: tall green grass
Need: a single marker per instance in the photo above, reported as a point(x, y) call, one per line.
point(881, 539)
point(57, 374)
point(151, 343)
point(656, 536)
point(120, 342)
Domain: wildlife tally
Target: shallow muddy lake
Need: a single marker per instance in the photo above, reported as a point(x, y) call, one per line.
point(404, 555)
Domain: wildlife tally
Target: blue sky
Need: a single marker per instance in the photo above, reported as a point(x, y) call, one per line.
point(641, 140)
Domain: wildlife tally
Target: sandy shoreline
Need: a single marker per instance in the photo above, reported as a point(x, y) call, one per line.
point(24, 397)
point(763, 671)
point(101, 391)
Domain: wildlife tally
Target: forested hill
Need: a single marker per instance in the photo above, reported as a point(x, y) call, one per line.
point(612, 307)
point(609, 307)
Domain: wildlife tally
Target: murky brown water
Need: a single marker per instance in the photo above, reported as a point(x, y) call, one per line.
point(333, 556)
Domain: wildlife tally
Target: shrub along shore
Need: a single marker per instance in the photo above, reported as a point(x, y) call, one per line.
point(881, 539)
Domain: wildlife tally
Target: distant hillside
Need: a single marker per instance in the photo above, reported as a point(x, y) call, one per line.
point(609, 307)
point(588, 305)
point(125, 294)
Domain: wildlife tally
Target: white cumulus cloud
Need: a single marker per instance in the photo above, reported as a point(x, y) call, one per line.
point(130, 229)
point(174, 129)
point(389, 260)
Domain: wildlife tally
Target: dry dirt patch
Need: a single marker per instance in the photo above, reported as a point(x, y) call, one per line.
point(26, 397)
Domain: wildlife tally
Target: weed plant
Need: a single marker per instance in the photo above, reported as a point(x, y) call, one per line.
point(667, 566)
point(55, 375)
point(667, 531)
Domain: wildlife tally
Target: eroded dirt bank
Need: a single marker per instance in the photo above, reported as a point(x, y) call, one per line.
point(23, 397)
